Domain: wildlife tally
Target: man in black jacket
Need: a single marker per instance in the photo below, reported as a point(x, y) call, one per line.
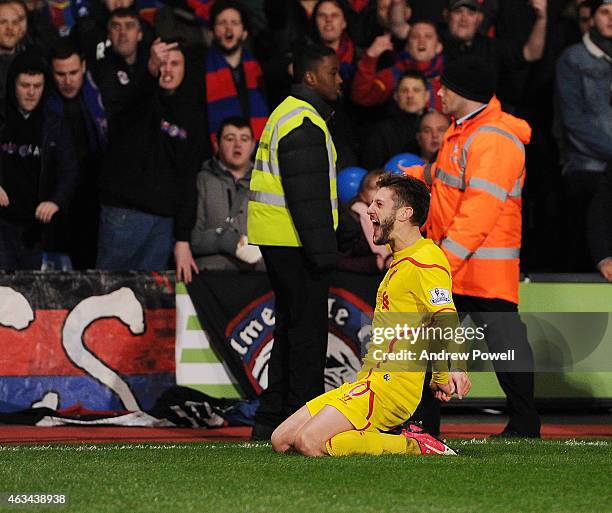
point(76, 99)
point(37, 166)
point(292, 215)
point(397, 133)
point(90, 32)
point(120, 69)
point(147, 186)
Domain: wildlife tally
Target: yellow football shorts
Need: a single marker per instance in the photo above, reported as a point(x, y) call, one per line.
point(370, 403)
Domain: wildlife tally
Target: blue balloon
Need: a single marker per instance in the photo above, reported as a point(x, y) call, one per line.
point(349, 181)
point(404, 159)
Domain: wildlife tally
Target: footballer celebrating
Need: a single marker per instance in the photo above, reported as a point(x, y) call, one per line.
point(356, 417)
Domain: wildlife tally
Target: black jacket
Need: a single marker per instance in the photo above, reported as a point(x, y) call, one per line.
point(90, 32)
point(37, 162)
point(391, 136)
point(154, 153)
point(120, 83)
point(304, 168)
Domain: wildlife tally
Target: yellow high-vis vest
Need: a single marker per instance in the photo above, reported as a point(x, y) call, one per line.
point(269, 220)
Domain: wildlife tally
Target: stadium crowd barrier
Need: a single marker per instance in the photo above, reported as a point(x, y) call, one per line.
point(109, 341)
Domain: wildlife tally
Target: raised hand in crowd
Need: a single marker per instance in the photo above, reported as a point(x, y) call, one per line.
point(158, 54)
point(534, 47)
point(380, 45)
point(539, 6)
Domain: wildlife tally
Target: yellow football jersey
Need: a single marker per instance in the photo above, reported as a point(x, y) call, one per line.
point(417, 285)
point(418, 280)
point(416, 291)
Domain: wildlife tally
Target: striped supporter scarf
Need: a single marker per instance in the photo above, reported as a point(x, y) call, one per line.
point(222, 97)
point(431, 69)
point(346, 57)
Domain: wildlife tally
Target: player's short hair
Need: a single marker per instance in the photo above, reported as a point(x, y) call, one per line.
point(408, 192)
point(237, 121)
point(307, 58)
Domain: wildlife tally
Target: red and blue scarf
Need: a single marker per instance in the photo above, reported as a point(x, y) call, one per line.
point(222, 96)
point(346, 57)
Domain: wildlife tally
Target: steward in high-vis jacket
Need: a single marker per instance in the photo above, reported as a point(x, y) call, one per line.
point(475, 217)
point(476, 185)
point(292, 216)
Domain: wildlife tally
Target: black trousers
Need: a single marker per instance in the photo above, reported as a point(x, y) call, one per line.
point(580, 188)
point(502, 332)
point(297, 363)
point(20, 247)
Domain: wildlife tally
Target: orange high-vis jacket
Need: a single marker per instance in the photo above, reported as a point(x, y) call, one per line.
point(475, 209)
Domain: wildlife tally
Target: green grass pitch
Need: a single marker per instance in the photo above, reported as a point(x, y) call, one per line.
point(502, 476)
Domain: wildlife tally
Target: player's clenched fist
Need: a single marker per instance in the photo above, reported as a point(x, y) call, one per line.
point(442, 392)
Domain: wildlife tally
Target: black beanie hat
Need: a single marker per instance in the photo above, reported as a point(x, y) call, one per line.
point(470, 78)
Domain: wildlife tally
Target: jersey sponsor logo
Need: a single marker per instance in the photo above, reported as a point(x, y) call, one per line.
point(440, 296)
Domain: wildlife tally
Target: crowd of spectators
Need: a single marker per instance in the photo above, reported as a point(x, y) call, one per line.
point(128, 126)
